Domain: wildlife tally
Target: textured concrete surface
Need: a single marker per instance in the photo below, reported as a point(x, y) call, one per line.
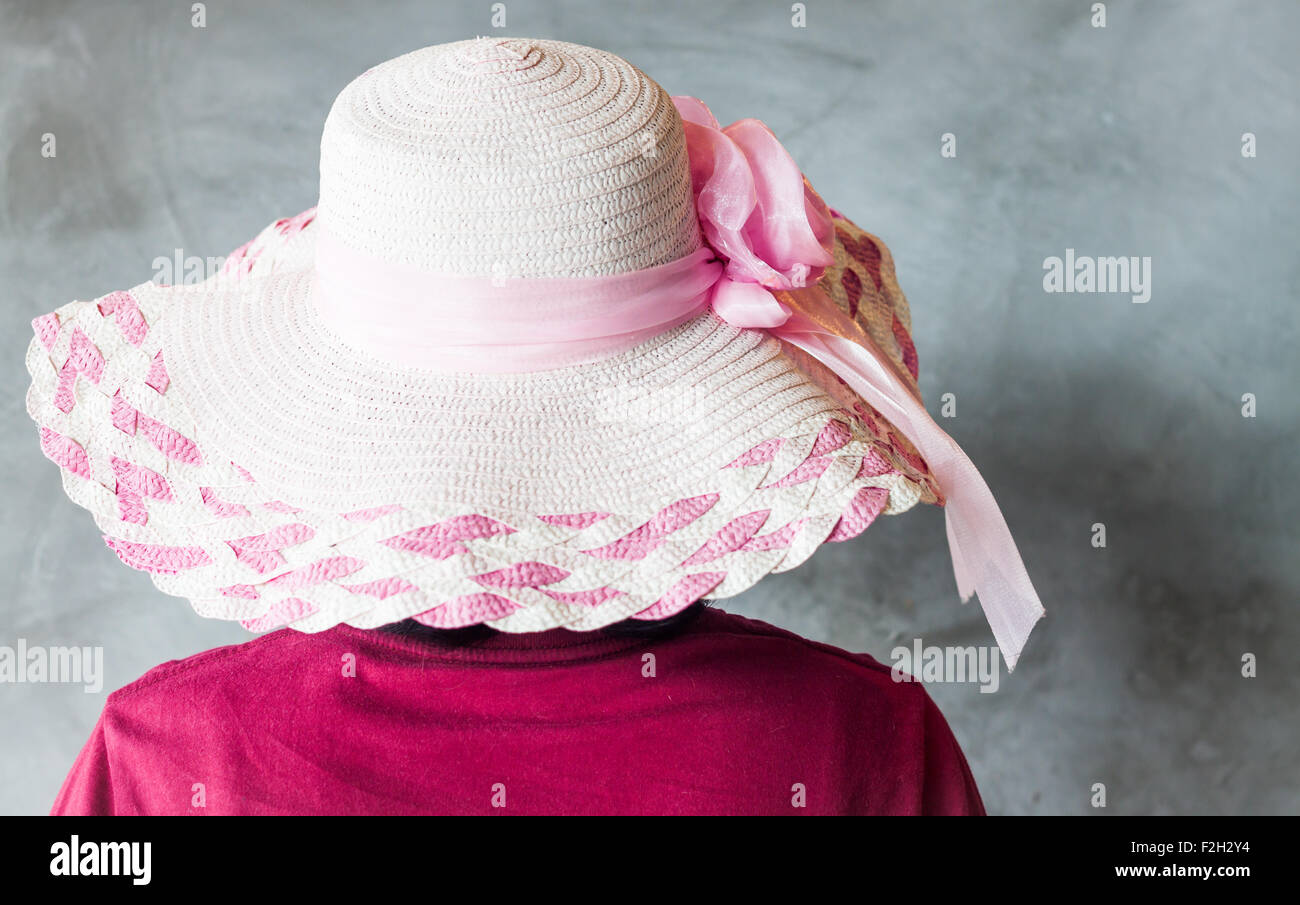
point(1079, 408)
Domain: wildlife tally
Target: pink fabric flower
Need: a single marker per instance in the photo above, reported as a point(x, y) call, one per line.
point(756, 209)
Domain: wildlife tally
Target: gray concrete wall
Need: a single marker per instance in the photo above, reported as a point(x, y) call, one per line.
point(1079, 408)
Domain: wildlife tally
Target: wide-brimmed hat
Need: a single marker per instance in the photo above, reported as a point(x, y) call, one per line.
point(554, 349)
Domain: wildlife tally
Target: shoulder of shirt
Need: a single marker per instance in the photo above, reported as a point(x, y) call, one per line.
point(720, 621)
point(228, 658)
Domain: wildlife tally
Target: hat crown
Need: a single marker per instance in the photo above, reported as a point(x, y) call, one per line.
point(508, 158)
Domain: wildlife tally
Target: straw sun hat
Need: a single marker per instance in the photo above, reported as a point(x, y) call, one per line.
point(535, 360)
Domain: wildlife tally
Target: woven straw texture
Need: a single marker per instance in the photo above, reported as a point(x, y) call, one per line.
point(254, 463)
point(508, 158)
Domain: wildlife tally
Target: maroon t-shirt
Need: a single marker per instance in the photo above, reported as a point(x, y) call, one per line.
point(730, 716)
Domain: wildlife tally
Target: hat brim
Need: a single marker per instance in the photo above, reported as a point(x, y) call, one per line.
point(228, 443)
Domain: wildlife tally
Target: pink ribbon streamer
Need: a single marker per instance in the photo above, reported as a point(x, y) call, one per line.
point(769, 238)
point(758, 211)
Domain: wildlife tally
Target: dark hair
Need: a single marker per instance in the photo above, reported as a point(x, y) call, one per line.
point(628, 628)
